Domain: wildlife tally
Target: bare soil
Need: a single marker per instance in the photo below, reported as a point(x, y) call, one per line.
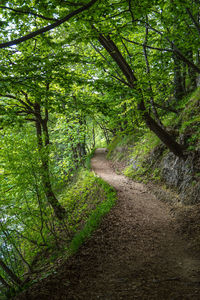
point(136, 253)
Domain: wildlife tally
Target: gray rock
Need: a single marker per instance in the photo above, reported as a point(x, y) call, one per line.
point(180, 174)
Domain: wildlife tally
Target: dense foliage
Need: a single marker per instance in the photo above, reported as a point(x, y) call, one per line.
point(73, 72)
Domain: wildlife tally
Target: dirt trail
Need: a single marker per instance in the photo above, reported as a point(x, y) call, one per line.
point(141, 256)
point(134, 254)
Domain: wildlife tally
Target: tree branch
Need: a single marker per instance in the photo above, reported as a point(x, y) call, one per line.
point(27, 13)
point(49, 27)
point(99, 52)
point(74, 4)
point(130, 10)
point(147, 46)
point(27, 99)
point(4, 282)
point(166, 108)
point(193, 19)
point(21, 101)
point(174, 50)
point(121, 80)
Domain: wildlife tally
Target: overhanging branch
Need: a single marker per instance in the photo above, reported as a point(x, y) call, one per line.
point(49, 27)
point(27, 13)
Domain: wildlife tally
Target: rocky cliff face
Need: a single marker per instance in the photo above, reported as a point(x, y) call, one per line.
point(183, 175)
point(147, 159)
point(178, 175)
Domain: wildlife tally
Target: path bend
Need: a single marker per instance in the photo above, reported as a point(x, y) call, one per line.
point(141, 256)
point(134, 254)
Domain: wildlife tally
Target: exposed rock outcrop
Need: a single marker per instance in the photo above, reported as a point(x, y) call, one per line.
point(183, 176)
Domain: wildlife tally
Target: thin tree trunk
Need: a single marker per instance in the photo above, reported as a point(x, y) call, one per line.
point(124, 119)
point(16, 249)
point(191, 73)
point(105, 133)
point(7, 286)
point(81, 145)
point(184, 78)
point(42, 129)
point(194, 20)
point(93, 136)
point(178, 87)
point(10, 273)
point(148, 70)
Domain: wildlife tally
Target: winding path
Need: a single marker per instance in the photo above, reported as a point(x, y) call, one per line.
point(141, 256)
point(134, 254)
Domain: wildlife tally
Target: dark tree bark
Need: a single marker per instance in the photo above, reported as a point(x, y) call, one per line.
point(93, 136)
point(184, 77)
point(41, 124)
point(49, 27)
point(10, 273)
point(2, 280)
point(191, 73)
point(42, 130)
point(105, 132)
point(81, 145)
point(162, 134)
point(10, 240)
point(194, 20)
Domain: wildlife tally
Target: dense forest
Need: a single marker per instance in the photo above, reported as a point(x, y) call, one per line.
point(73, 76)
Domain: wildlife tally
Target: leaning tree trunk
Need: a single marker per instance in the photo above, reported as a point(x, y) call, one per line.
point(10, 273)
point(2, 280)
point(9, 239)
point(42, 130)
point(162, 134)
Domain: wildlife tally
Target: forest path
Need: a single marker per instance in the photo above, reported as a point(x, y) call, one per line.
point(134, 254)
point(138, 255)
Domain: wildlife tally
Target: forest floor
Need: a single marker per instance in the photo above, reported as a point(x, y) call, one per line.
point(136, 253)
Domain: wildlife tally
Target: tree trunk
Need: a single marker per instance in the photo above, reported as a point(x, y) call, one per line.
point(2, 280)
point(184, 77)
point(178, 87)
point(191, 73)
point(42, 129)
point(81, 145)
point(162, 134)
point(125, 118)
point(10, 273)
point(10, 240)
point(93, 136)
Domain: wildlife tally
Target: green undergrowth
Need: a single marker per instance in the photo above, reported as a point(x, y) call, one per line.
point(105, 199)
point(121, 146)
point(86, 202)
point(139, 168)
point(135, 150)
point(142, 151)
point(88, 159)
point(187, 121)
point(190, 121)
point(84, 198)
